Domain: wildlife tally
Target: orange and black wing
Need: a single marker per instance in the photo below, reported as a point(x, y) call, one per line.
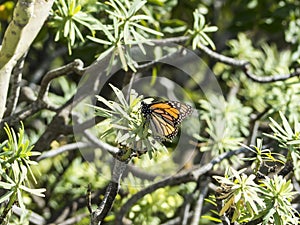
point(165, 117)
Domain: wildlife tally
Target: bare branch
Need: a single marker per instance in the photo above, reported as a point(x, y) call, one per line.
point(62, 149)
point(243, 64)
point(153, 62)
point(111, 192)
point(41, 101)
point(15, 86)
point(75, 66)
point(270, 79)
point(180, 39)
point(185, 177)
point(186, 209)
point(111, 149)
point(199, 204)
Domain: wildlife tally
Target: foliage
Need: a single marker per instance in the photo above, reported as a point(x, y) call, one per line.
point(262, 156)
point(241, 195)
point(264, 33)
point(289, 139)
point(15, 172)
point(270, 199)
point(127, 28)
point(278, 195)
point(273, 195)
point(198, 34)
point(163, 201)
point(225, 125)
point(126, 124)
point(67, 17)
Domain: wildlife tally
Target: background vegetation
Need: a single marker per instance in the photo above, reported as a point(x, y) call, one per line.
point(245, 169)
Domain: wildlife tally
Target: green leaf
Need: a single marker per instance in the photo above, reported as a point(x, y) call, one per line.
point(140, 17)
point(139, 39)
point(102, 112)
point(6, 196)
point(286, 125)
point(127, 35)
point(122, 57)
point(211, 218)
point(77, 9)
point(136, 6)
point(119, 95)
point(208, 40)
point(149, 30)
point(294, 142)
point(122, 7)
point(106, 102)
point(115, 7)
point(7, 186)
point(115, 15)
point(37, 191)
point(100, 41)
point(277, 126)
point(210, 29)
point(72, 35)
point(20, 199)
point(67, 28)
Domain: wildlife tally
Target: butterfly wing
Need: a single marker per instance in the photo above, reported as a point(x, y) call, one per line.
point(162, 127)
point(165, 117)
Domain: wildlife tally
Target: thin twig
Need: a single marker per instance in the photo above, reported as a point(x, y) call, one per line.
point(270, 79)
point(62, 149)
point(75, 66)
point(199, 204)
point(154, 62)
point(15, 86)
point(41, 101)
point(179, 39)
point(133, 75)
point(111, 192)
point(89, 198)
point(74, 206)
point(186, 209)
point(222, 58)
point(111, 149)
point(243, 64)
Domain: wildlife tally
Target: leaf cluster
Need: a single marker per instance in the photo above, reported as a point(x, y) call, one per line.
point(126, 124)
point(15, 170)
point(248, 199)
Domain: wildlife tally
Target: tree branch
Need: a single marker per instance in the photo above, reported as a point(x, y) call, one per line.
point(186, 209)
point(269, 79)
point(75, 66)
point(243, 64)
point(28, 18)
point(199, 204)
point(111, 192)
point(41, 101)
point(185, 177)
point(62, 149)
point(15, 86)
point(111, 149)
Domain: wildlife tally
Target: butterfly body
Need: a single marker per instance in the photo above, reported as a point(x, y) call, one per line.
point(165, 117)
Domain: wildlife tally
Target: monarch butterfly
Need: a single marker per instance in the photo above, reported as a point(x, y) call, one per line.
point(165, 117)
